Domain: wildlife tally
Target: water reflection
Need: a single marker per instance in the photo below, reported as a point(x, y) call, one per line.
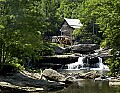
point(89, 86)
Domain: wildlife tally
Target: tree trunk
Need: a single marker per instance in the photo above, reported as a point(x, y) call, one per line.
point(2, 58)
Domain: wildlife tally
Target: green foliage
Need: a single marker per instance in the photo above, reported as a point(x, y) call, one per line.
point(16, 63)
point(25, 23)
point(22, 26)
point(47, 49)
point(114, 65)
point(68, 9)
point(83, 36)
point(102, 18)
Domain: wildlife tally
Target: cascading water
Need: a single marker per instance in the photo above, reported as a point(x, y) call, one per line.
point(87, 63)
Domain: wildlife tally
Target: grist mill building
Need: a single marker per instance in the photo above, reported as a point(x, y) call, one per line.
point(67, 28)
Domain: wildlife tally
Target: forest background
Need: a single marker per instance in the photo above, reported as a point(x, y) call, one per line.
point(25, 23)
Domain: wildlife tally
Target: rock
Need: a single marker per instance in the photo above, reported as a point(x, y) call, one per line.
point(70, 79)
point(59, 50)
point(27, 82)
point(84, 48)
point(67, 50)
point(31, 75)
point(53, 75)
point(83, 75)
point(62, 50)
point(11, 87)
point(90, 75)
point(114, 82)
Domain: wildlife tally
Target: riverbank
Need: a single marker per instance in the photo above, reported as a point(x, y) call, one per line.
point(48, 80)
point(27, 82)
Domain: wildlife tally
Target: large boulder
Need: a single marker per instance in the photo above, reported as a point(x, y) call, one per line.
point(84, 48)
point(53, 75)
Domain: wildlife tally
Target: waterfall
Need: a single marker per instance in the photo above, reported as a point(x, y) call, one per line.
point(76, 65)
point(88, 63)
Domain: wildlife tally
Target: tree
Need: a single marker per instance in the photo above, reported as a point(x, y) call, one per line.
point(22, 25)
point(68, 8)
point(48, 10)
point(106, 15)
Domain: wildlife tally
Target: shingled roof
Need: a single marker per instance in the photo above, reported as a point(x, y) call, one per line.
point(74, 23)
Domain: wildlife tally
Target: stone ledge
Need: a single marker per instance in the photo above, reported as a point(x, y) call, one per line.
point(14, 87)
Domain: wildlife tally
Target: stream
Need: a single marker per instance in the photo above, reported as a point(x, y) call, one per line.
point(89, 86)
point(85, 85)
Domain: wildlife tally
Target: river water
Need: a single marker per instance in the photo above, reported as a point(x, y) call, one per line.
point(85, 86)
point(89, 86)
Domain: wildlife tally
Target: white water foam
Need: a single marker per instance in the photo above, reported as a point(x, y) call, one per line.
point(79, 65)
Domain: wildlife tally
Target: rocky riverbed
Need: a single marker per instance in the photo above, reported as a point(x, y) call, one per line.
point(48, 80)
point(26, 81)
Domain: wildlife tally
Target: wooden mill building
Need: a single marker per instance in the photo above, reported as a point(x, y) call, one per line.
point(68, 26)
